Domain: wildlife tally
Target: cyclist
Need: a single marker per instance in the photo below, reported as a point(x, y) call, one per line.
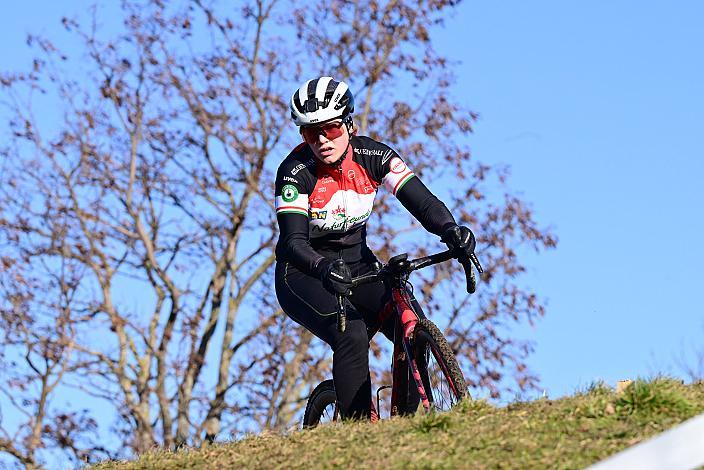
point(325, 191)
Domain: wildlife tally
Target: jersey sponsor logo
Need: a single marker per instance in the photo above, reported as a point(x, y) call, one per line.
point(398, 166)
point(368, 151)
point(322, 189)
point(341, 223)
point(326, 180)
point(289, 193)
point(350, 174)
point(301, 166)
point(339, 213)
point(292, 180)
point(316, 215)
point(298, 204)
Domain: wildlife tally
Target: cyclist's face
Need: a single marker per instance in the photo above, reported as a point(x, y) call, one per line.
point(328, 141)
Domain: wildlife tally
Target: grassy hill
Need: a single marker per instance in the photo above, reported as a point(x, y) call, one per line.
point(571, 432)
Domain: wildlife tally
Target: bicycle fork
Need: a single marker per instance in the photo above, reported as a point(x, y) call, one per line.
point(403, 359)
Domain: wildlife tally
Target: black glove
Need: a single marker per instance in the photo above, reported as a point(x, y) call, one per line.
point(336, 276)
point(459, 237)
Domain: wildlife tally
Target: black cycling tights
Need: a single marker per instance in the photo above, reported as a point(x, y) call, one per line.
point(307, 302)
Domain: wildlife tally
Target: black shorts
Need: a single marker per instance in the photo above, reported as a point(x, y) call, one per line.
point(304, 299)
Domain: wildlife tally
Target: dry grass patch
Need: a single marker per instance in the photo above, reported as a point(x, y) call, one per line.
point(571, 432)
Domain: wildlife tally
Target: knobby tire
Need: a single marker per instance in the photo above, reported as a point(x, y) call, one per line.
point(429, 343)
point(322, 397)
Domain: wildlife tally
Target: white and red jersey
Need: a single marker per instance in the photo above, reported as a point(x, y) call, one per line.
point(337, 200)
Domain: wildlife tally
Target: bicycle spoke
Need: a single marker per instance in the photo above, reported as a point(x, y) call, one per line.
point(329, 415)
point(440, 393)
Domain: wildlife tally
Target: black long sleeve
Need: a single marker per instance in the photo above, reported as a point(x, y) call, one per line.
point(431, 212)
point(294, 244)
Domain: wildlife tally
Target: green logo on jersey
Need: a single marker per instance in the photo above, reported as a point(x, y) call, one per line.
point(289, 193)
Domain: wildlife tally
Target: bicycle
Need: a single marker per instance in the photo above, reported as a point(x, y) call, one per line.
point(421, 354)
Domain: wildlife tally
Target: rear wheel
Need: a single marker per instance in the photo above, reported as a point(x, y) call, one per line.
point(441, 374)
point(322, 406)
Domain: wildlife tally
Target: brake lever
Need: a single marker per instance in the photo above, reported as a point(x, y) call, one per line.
point(475, 260)
point(467, 262)
point(469, 273)
point(341, 313)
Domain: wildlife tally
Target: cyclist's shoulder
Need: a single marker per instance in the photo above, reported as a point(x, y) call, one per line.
point(298, 167)
point(371, 150)
point(299, 160)
point(373, 155)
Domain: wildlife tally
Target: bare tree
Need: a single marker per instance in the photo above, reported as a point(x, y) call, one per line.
point(139, 224)
point(36, 355)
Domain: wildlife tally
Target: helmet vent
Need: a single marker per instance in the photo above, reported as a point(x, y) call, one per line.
point(311, 105)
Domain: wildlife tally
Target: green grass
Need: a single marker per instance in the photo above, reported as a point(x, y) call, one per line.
point(571, 432)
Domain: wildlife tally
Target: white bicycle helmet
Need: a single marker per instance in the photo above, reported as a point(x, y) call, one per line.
point(320, 100)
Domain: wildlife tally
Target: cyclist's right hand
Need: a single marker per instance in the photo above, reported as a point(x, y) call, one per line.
point(336, 276)
point(459, 237)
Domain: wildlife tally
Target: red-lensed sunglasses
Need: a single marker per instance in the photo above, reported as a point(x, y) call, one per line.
point(331, 130)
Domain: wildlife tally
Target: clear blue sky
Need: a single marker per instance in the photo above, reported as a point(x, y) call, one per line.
point(599, 109)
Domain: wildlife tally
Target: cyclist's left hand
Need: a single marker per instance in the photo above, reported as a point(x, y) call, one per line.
point(336, 276)
point(460, 237)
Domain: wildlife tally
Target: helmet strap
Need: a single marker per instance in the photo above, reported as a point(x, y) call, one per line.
point(344, 155)
point(347, 121)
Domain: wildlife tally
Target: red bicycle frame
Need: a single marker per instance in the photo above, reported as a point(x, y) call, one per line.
point(403, 359)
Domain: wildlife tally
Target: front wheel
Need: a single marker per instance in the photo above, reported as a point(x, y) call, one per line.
point(322, 406)
point(441, 374)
